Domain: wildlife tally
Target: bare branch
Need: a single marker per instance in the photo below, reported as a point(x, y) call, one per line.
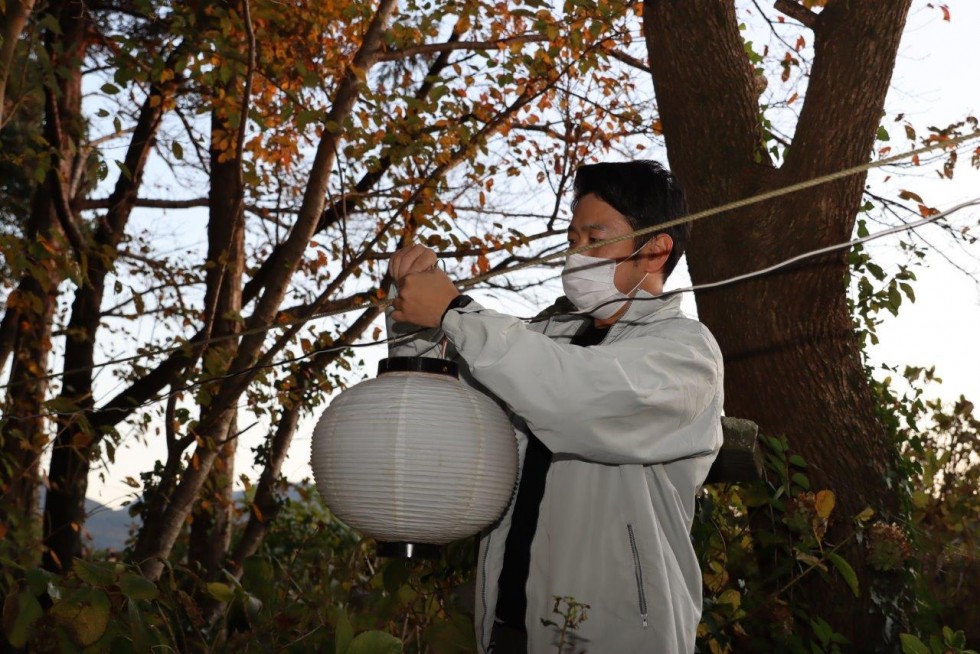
point(796, 11)
point(627, 59)
point(429, 48)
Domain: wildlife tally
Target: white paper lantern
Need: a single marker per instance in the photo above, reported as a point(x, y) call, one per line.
point(414, 457)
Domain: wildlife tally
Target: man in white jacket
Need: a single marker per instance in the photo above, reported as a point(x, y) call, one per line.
point(617, 404)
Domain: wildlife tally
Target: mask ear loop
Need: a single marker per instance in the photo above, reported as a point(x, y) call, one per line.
point(642, 279)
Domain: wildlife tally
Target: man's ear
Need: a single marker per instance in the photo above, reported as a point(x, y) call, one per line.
point(656, 252)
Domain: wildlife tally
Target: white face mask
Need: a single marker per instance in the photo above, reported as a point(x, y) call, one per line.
point(590, 282)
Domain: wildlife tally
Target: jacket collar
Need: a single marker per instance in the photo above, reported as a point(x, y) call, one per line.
point(639, 312)
point(650, 308)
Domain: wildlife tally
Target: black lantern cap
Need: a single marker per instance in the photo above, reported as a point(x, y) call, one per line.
point(419, 364)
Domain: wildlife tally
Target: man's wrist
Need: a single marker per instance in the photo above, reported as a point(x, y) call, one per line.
point(457, 302)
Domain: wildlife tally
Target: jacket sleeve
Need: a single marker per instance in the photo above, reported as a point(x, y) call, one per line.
point(649, 399)
point(425, 343)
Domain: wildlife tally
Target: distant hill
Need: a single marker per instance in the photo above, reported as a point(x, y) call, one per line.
point(109, 528)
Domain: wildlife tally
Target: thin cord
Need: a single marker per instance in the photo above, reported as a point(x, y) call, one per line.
point(441, 343)
point(690, 218)
point(800, 257)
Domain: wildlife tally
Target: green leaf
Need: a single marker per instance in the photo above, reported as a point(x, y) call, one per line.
point(344, 633)
point(800, 480)
point(84, 614)
point(846, 571)
point(394, 575)
point(95, 574)
point(912, 645)
point(450, 636)
point(221, 592)
point(136, 587)
point(137, 629)
point(38, 580)
point(111, 89)
point(798, 461)
point(375, 642)
point(882, 134)
point(822, 631)
point(177, 149)
point(20, 611)
point(876, 270)
point(124, 169)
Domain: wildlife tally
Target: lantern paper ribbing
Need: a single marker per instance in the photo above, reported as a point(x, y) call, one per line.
point(415, 457)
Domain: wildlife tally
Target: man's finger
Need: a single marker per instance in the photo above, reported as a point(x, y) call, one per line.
point(396, 264)
point(409, 260)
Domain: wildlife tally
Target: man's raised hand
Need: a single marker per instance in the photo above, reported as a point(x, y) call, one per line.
point(413, 259)
point(424, 291)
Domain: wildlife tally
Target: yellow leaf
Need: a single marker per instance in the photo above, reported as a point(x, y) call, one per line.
point(731, 597)
point(825, 503)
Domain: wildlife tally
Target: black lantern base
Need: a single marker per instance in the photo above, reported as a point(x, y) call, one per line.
point(418, 364)
point(409, 550)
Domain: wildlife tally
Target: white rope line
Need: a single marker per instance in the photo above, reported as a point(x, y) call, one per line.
point(950, 143)
point(442, 343)
point(908, 227)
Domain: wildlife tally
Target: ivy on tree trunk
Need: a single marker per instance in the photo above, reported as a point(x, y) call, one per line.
point(792, 356)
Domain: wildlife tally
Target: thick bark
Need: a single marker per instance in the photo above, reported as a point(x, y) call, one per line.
point(77, 439)
point(792, 357)
point(12, 21)
point(212, 516)
point(22, 431)
point(34, 301)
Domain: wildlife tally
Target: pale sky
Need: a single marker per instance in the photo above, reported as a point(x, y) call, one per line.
point(934, 84)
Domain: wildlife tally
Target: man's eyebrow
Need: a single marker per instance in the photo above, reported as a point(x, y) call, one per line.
point(585, 228)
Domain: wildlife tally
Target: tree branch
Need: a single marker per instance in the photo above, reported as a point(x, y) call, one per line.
point(155, 542)
point(350, 200)
point(627, 59)
point(151, 203)
point(724, 131)
point(12, 22)
point(797, 11)
point(429, 48)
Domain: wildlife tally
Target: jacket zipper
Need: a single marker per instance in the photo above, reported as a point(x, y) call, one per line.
point(638, 573)
point(483, 588)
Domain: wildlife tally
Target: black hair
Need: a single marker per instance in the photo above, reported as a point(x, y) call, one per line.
point(645, 193)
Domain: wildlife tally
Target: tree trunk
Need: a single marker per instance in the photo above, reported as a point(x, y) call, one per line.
point(33, 303)
point(211, 524)
point(265, 506)
point(157, 537)
point(213, 514)
point(12, 21)
point(77, 438)
point(792, 356)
